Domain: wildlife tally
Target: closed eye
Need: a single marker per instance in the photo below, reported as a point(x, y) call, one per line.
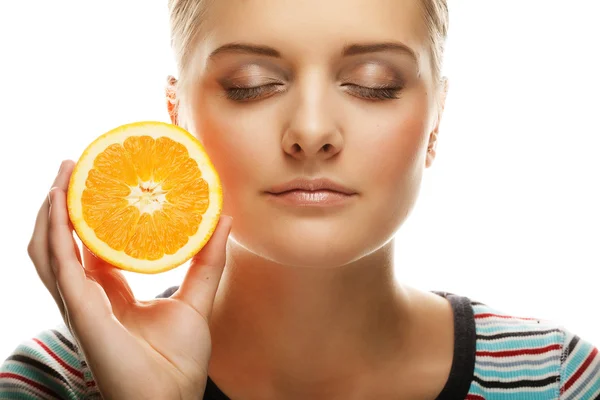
point(243, 94)
point(369, 93)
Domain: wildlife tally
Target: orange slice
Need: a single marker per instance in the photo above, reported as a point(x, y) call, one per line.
point(145, 197)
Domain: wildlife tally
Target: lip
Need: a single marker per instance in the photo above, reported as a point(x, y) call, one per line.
point(307, 193)
point(311, 185)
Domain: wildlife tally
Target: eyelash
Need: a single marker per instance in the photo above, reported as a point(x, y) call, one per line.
point(383, 93)
point(242, 94)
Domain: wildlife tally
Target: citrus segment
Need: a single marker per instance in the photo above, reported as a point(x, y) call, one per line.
point(145, 197)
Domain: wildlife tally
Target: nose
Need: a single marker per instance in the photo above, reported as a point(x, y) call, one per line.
point(312, 132)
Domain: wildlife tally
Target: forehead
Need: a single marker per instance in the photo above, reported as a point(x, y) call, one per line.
point(314, 27)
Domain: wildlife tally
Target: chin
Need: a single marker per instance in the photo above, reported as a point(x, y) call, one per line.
point(298, 255)
point(311, 244)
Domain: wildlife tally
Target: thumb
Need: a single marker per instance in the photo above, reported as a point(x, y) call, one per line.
point(201, 281)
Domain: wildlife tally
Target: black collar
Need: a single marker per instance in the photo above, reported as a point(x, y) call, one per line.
point(463, 362)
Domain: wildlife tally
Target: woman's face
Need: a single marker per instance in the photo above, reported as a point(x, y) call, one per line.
point(337, 89)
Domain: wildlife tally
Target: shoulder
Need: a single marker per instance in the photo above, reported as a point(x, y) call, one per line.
point(580, 372)
point(530, 356)
point(47, 365)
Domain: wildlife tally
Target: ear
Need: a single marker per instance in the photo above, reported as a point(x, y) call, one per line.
point(433, 136)
point(171, 97)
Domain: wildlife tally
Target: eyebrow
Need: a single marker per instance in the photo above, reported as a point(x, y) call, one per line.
point(357, 49)
point(246, 48)
point(348, 50)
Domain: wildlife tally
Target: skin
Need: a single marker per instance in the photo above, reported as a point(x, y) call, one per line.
point(291, 323)
point(308, 305)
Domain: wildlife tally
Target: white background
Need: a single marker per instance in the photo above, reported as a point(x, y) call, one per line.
point(508, 215)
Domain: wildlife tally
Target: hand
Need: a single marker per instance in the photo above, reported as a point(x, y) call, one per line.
point(135, 349)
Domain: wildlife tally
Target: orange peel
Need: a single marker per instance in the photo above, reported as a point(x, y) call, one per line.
point(145, 197)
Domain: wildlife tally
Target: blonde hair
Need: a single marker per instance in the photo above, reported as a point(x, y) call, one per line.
point(435, 13)
point(186, 17)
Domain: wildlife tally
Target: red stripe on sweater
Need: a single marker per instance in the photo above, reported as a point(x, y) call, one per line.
point(580, 371)
point(474, 397)
point(72, 370)
point(489, 315)
point(509, 353)
point(34, 384)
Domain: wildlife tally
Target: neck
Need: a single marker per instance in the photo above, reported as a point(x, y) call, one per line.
point(306, 325)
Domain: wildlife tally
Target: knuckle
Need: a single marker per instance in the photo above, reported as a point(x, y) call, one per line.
point(31, 249)
point(35, 249)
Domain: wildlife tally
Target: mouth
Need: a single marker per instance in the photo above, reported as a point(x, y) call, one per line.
point(315, 192)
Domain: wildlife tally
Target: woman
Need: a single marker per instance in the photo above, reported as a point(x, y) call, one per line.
point(320, 118)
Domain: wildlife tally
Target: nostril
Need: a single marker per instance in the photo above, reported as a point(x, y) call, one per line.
point(326, 147)
point(296, 148)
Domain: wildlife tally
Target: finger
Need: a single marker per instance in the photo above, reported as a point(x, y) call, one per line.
point(112, 281)
point(200, 284)
point(69, 274)
point(38, 245)
point(77, 251)
point(75, 246)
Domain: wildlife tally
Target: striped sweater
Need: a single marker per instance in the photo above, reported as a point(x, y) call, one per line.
point(496, 357)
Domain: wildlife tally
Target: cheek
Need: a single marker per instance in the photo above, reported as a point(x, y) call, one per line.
point(242, 157)
point(393, 151)
point(392, 159)
point(227, 149)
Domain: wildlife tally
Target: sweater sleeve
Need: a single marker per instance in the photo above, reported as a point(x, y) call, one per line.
point(48, 366)
point(580, 369)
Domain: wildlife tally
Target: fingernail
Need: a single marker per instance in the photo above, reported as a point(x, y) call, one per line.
point(60, 168)
point(50, 196)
